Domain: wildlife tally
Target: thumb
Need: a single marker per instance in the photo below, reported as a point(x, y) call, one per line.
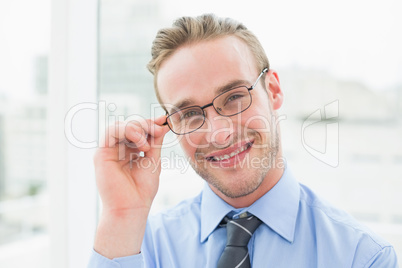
point(161, 120)
point(157, 140)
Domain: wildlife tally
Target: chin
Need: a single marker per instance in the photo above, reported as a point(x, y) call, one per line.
point(237, 192)
point(242, 183)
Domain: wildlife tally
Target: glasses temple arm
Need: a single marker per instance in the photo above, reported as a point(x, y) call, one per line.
point(262, 72)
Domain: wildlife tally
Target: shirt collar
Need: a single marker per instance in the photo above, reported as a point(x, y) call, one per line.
point(213, 209)
point(278, 208)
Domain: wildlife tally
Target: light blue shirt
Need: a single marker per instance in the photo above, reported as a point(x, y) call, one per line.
point(299, 230)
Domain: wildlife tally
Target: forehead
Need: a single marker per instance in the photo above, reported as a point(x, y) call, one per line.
point(195, 71)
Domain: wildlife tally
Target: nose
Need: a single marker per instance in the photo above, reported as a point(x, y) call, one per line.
point(220, 128)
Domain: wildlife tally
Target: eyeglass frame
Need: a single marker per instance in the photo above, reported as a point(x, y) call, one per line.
point(265, 70)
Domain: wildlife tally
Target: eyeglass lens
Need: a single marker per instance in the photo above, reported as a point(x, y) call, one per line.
point(228, 103)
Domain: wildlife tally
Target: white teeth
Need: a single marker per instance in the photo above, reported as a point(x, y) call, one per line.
point(227, 156)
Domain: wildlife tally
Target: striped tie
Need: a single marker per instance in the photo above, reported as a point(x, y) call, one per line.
point(239, 232)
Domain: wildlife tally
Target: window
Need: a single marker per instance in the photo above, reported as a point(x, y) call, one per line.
point(24, 199)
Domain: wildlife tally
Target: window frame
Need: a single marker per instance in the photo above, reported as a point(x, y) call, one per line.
point(73, 79)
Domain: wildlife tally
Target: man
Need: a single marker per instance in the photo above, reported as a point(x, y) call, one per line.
point(213, 79)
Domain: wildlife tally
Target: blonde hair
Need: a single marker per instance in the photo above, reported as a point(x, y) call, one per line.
point(187, 30)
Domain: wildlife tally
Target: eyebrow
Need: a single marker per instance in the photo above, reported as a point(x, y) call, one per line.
point(232, 84)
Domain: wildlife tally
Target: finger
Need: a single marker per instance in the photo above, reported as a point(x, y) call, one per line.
point(113, 135)
point(153, 127)
point(143, 132)
point(155, 150)
point(137, 137)
point(156, 142)
point(160, 120)
point(160, 126)
point(131, 135)
point(133, 155)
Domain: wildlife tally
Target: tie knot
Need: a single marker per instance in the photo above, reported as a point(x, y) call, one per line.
point(239, 231)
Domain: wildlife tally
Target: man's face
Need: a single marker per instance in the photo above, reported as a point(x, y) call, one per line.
point(233, 154)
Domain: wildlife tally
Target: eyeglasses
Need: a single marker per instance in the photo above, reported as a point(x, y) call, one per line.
point(228, 103)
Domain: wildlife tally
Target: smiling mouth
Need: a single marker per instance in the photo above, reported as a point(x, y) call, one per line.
point(217, 158)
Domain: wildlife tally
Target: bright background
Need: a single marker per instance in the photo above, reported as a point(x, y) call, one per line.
point(55, 55)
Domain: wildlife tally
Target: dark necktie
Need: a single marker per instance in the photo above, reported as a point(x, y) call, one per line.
point(239, 232)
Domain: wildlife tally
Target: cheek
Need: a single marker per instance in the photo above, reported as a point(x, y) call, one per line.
point(197, 140)
point(187, 148)
point(258, 117)
point(190, 143)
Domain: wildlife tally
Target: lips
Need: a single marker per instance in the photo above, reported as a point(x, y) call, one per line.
point(229, 152)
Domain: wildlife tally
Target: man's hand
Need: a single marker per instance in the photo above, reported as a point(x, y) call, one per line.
point(127, 174)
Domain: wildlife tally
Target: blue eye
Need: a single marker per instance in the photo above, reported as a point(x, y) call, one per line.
point(234, 97)
point(191, 113)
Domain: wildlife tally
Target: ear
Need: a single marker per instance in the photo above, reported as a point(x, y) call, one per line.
point(274, 89)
